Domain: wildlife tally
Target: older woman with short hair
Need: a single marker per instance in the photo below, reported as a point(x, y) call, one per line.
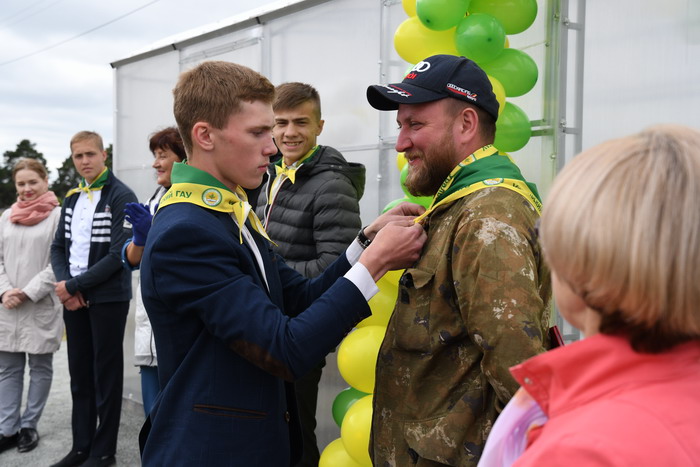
point(167, 149)
point(621, 232)
point(31, 320)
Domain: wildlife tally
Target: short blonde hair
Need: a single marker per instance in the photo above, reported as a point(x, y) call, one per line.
point(622, 228)
point(212, 92)
point(87, 135)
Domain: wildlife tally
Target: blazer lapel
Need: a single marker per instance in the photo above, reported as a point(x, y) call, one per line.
point(231, 226)
point(270, 263)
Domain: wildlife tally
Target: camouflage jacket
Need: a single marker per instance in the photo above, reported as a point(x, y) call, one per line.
point(475, 304)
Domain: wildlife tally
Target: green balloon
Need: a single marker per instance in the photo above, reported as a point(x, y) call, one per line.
point(391, 204)
point(515, 70)
point(515, 15)
point(480, 37)
point(343, 401)
point(440, 15)
point(424, 201)
point(402, 179)
point(513, 129)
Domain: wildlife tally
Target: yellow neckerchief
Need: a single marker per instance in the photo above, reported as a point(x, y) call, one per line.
point(517, 186)
point(209, 193)
point(97, 184)
point(283, 173)
point(291, 171)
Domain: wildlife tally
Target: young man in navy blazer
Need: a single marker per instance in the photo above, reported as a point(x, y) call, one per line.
point(95, 290)
point(234, 325)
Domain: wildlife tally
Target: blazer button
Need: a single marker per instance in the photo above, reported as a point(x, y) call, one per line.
point(287, 417)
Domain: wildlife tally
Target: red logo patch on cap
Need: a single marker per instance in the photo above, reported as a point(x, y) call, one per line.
point(461, 91)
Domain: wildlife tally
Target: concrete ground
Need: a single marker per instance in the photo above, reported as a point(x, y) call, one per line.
point(54, 426)
point(55, 432)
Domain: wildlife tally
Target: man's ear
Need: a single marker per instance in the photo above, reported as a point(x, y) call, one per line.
point(201, 136)
point(468, 123)
point(320, 126)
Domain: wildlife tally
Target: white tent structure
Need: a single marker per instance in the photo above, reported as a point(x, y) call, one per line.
point(340, 47)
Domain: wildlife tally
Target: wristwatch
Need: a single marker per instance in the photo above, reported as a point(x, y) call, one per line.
point(362, 238)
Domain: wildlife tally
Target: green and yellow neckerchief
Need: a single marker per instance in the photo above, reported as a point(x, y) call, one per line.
point(483, 169)
point(284, 172)
point(195, 186)
point(291, 171)
point(96, 185)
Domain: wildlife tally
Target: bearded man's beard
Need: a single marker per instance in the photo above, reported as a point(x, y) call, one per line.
point(436, 164)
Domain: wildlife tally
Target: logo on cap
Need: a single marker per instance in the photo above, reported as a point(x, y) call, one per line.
point(419, 67)
point(394, 90)
point(456, 89)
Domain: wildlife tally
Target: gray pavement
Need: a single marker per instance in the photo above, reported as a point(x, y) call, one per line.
point(54, 426)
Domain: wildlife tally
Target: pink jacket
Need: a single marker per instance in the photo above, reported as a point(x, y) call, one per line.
point(608, 405)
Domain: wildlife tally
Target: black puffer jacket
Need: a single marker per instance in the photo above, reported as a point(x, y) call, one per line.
point(315, 219)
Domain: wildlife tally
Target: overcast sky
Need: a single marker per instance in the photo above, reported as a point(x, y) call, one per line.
point(47, 96)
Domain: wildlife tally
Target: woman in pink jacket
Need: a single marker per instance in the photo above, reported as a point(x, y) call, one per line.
point(621, 232)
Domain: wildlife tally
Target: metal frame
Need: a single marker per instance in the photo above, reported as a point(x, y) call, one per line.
point(564, 95)
point(565, 28)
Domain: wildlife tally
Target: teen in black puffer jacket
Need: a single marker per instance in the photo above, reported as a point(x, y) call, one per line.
point(315, 219)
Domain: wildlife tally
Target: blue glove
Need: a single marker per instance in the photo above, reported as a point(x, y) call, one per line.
point(140, 218)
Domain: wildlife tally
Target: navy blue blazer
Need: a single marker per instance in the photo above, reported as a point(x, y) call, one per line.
point(228, 348)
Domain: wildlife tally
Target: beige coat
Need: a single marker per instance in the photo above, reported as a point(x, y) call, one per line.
point(36, 326)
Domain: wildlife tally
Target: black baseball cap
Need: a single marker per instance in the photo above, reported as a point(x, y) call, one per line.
point(435, 78)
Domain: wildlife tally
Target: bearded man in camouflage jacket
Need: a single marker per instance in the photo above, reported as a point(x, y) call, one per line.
point(476, 302)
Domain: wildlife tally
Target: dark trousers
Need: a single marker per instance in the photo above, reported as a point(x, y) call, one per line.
point(306, 389)
point(95, 336)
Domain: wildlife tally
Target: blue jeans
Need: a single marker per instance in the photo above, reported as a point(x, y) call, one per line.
point(149, 386)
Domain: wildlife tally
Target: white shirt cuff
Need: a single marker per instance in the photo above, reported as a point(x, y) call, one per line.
point(360, 276)
point(353, 252)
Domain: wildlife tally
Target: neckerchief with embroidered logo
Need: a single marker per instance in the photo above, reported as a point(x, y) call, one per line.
point(483, 169)
point(195, 186)
point(96, 185)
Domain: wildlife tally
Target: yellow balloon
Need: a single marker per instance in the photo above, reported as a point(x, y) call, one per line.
point(382, 304)
point(401, 160)
point(356, 428)
point(507, 44)
point(382, 307)
point(409, 6)
point(335, 455)
point(500, 93)
point(414, 42)
point(357, 357)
